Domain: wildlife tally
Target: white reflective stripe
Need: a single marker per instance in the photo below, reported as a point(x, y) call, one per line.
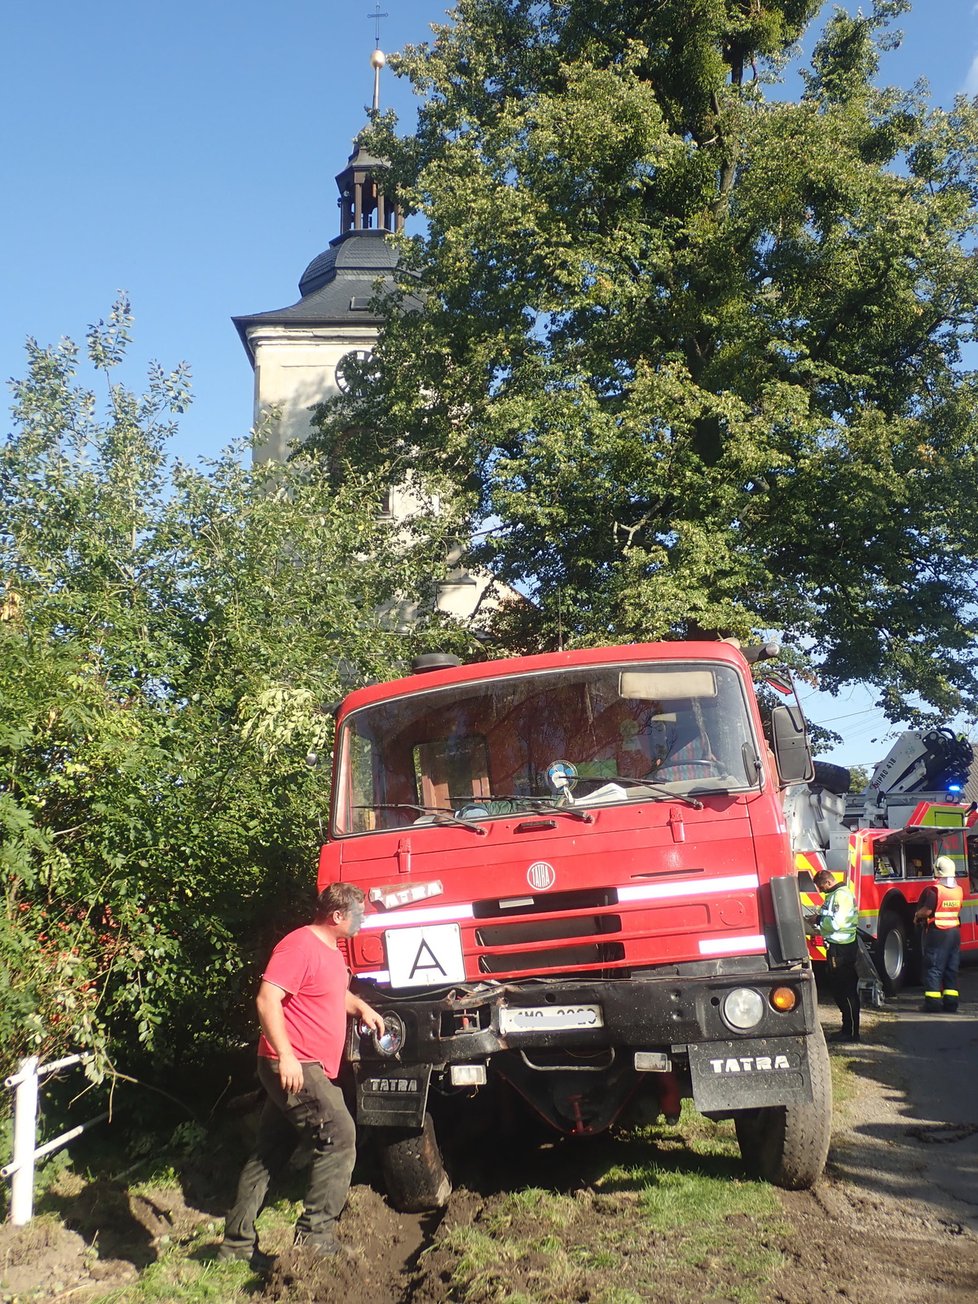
point(699, 888)
point(732, 945)
point(647, 892)
point(378, 975)
point(433, 915)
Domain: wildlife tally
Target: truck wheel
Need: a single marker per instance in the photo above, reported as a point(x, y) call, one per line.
point(787, 1145)
point(412, 1166)
point(834, 777)
point(892, 952)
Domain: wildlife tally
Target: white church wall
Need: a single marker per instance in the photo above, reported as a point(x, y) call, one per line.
point(295, 369)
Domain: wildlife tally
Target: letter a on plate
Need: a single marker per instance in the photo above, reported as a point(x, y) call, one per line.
point(425, 957)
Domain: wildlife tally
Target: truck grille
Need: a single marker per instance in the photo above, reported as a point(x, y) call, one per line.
point(553, 958)
point(564, 933)
point(548, 904)
point(546, 930)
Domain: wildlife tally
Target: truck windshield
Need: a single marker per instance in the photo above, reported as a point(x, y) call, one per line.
point(619, 733)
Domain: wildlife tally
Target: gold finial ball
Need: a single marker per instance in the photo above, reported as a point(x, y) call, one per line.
point(378, 59)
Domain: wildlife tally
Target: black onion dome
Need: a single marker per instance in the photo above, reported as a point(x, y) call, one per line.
point(338, 288)
point(355, 254)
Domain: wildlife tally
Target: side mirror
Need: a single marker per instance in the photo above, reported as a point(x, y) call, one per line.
point(789, 742)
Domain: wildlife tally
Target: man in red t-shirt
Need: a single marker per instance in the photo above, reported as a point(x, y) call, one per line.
point(303, 1003)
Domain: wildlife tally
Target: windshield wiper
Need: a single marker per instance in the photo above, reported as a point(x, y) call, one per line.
point(553, 809)
point(548, 804)
point(438, 814)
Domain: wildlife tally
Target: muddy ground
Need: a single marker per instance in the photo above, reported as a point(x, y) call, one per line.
point(895, 1217)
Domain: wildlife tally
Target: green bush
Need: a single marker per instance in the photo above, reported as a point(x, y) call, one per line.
point(168, 636)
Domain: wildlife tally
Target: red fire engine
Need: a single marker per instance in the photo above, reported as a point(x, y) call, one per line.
point(885, 841)
point(888, 871)
point(580, 888)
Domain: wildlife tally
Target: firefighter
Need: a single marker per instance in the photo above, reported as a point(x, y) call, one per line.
point(939, 910)
point(836, 920)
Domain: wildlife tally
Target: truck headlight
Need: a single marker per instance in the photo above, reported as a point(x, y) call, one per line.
point(743, 1008)
point(390, 1041)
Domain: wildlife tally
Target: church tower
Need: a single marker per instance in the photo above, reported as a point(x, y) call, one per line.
point(320, 345)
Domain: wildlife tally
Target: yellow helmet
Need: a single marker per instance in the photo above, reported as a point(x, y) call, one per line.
point(944, 867)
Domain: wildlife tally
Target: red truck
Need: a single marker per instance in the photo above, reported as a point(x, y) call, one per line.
point(885, 839)
point(890, 869)
point(581, 890)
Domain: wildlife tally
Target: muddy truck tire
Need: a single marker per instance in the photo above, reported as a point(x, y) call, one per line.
point(787, 1145)
point(412, 1167)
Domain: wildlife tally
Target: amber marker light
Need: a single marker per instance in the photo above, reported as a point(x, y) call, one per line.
point(784, 998)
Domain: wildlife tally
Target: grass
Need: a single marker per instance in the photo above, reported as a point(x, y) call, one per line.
point(159, 1219)
point(674, 1219)
point(174, 1278)
point(186, 1269)
point(668, 1216)
point(656, 1214)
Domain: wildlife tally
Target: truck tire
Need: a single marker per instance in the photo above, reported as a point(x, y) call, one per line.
point(892, 952)
point(414, 1173)
point(787, 1145)
point(834, 777)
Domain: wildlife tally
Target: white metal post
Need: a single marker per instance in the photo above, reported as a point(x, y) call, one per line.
point(25, 1125)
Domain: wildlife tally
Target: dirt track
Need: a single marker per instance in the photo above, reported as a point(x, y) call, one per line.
point(899, 1203)
point(914, 1133)
point(895, 1218)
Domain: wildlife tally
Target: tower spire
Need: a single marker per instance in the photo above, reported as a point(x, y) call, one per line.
point(378, 58)
point(363, 204)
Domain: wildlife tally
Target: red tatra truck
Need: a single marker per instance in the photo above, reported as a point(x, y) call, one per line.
point(580, 888)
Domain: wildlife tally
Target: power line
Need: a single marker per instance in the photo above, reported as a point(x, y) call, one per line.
point(870, 710)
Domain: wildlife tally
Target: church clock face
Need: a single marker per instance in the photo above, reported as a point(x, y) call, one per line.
point(354, 371)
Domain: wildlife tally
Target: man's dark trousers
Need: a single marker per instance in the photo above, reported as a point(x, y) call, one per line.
point(318, 1116)
point(844, 984)
point(942, 956)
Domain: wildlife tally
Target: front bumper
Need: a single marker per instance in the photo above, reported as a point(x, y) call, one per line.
point(648, 1011)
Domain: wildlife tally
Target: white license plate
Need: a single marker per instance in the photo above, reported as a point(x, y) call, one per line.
point(549, 1018)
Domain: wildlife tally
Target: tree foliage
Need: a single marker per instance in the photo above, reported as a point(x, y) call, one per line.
point(698, 351)
point(169, 637)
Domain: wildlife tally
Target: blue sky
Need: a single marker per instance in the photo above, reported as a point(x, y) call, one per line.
point(186, 153)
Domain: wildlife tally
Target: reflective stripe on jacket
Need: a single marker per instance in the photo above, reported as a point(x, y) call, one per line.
point(947, 912)
point(838, 917)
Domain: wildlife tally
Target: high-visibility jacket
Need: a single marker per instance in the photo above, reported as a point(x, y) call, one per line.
point(838, 917)
point(947, 911)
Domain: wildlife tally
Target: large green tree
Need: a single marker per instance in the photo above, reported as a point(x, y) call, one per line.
point(695, 350)
point(169, 636)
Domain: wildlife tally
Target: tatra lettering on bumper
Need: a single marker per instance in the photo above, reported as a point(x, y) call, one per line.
point(393, 1099)
point(752, 1073)
point(751, 1064)
point(392, 1084)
